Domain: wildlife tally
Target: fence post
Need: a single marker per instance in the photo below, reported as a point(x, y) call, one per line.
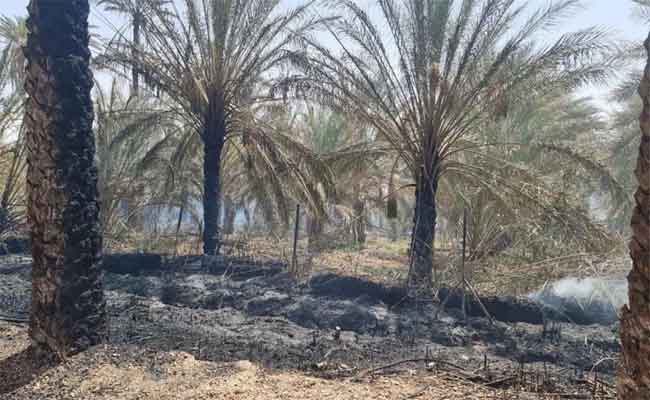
point(462, 265)
point(294, 258)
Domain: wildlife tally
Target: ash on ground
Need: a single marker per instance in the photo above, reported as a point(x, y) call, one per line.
point(330, 326)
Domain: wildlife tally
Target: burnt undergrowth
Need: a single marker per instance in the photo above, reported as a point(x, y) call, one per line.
point(230, 309)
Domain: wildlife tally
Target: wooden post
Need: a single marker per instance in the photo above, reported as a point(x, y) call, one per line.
point(462, 265)
point(294, 258)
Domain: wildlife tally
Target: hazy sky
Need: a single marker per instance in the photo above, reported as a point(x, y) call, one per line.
point(616, 15)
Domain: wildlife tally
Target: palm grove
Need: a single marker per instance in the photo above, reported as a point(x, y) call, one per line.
point(421, 109)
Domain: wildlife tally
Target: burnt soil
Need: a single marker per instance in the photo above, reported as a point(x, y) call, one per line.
point(331, 326)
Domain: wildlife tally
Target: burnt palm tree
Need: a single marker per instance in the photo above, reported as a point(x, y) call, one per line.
point(634, 379)
point(68, 307)
point(211, 58)
point(437, 75)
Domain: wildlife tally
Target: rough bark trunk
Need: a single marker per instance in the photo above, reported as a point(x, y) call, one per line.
point(68, 308)
point(634, 373)
point(424, 223)
point(213, 140)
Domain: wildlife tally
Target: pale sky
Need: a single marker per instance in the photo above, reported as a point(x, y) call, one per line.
point(615, 15)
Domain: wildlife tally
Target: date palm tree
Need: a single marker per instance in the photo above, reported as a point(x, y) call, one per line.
point(13, 36)
point(634, 372)
point(436, 75)
point(136, 11)
point(126, 130)
point(68, 307)
point(527, 181)
point(211, 58)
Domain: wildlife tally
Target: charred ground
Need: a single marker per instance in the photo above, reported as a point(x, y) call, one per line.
point(333, 326)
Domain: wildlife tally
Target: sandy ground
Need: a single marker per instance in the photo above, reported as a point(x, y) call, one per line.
point(131, 372)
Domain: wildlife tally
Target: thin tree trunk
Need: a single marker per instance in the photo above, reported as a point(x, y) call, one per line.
point(394, 234)
point(424, 223)
point(358, 217)
point(634, 373)
point(179, 223)
point(68, 308)
point(213, 140)
point(360, 222)
point(315, 233)
point(229, 215)
point(135, 76)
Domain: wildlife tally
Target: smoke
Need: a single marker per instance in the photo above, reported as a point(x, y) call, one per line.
point(585, 301)
point(593, 289)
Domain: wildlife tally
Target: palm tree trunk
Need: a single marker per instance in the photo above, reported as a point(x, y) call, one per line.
point(634, 373)
point(68, 308)
point(213, 141)
point(424, 223)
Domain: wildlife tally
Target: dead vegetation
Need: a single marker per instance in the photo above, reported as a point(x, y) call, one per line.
point(129, 372)
point(416, 159)
point(337, 336)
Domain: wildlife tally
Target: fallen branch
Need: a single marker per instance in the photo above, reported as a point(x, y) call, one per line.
point(500, 381)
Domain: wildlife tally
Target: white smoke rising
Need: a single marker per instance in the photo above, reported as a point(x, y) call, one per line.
point(588, 290)
point(585, 300)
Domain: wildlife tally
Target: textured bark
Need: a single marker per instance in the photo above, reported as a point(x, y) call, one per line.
point(213, 140)
point(424, 223)
point(634, 374)
point(68, 308)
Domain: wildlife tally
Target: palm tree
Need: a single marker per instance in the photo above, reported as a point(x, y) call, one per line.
point(265, 166)
point(626, 140)
point(355, 160)
point(68, 307)
point(634, 381)
point(624, 125)
point(136, 10)
point(542, 164)
point(126, 130)
point(13, 36)
point(211, 58)
point(436, 76)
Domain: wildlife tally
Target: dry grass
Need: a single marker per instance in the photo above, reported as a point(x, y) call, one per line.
point(385, 261)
